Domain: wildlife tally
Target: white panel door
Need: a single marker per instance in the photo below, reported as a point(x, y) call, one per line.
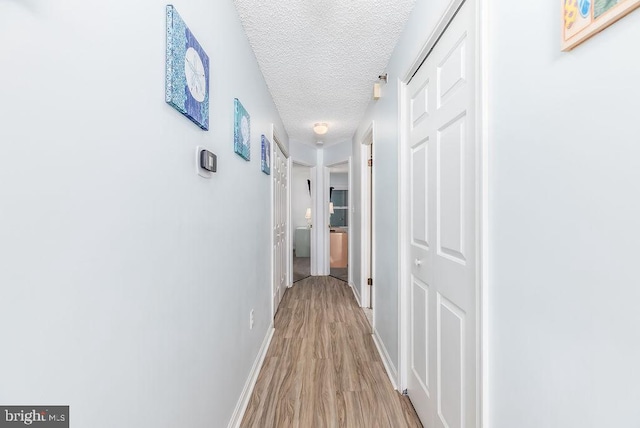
point(280, 171)
point(442, 249)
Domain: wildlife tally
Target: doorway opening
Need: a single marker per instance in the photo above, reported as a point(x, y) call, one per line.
point(301, 220)
point(339, 221)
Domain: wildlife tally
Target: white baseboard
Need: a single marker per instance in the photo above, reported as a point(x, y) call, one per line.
point(355, 294)
point(243, 402)
point(392, 372)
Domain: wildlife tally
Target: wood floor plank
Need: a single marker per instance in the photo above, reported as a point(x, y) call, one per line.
point(354, 415)
point(409, 412)
point(322, 368)
point(257, 402)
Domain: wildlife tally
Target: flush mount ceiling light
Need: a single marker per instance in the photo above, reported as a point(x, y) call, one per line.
point(320, 128)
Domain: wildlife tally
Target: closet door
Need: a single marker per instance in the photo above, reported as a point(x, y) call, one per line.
point(442, 249)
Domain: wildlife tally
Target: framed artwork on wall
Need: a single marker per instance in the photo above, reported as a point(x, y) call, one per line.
point(241, 131)
point(266, 156)
point(186, 71)
point(582, 19)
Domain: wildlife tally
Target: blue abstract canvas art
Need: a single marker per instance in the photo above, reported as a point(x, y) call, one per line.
point(187, 71)
point(241, 131)
point(266, 156)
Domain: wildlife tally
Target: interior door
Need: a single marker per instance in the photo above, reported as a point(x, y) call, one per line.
point(442, 249)
point(280, 173)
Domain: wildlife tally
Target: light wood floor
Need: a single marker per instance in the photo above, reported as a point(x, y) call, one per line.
point(322, 368)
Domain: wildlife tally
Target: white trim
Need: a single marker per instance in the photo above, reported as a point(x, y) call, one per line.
point(372, 297)
point(350, 224)
point(483, 138)
point(355, 294)
point(326, 179)
point(302, 163)
point(366, 241)
point(276, 139)
point(289, 225)
point(433, 38)
point(482, 202)
point(391, 370)
point(313, 246)
point(243, 401)
point(403, 238)
point(271, 231)
point(340, 188)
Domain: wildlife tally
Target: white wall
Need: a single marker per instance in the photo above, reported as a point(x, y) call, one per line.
point(564, 135)
point(300, 197)
point(337, 153)
point(126, 279)
point(303, 153)
point(320, 213)
point(339, 180)
point(384, 113)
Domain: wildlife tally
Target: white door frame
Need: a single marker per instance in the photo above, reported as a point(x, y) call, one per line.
point(350, 222)
point(481, 201)
point(277, 141)
point(367, 222)
point(289, 223)
point(318, 219)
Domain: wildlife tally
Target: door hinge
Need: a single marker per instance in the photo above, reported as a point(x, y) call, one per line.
point(369, 281)
point(370, 162)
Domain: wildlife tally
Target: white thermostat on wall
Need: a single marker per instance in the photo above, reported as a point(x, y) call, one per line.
point(206, 162)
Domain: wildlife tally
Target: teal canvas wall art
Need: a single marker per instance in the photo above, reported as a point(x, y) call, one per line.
point(241, 130)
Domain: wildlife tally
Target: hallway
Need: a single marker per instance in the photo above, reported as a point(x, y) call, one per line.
point(150, 204)
point(322, 367)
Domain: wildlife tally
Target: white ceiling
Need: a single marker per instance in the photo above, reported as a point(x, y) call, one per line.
point(320, 58)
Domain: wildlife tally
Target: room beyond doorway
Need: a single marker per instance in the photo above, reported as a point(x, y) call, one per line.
point(339, 221)
point(301, 220)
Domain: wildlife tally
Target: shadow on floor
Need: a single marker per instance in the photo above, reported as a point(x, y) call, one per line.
point(301, 267)
point(340, 273)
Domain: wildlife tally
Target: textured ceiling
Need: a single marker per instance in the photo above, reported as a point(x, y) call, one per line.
point(320, 58)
